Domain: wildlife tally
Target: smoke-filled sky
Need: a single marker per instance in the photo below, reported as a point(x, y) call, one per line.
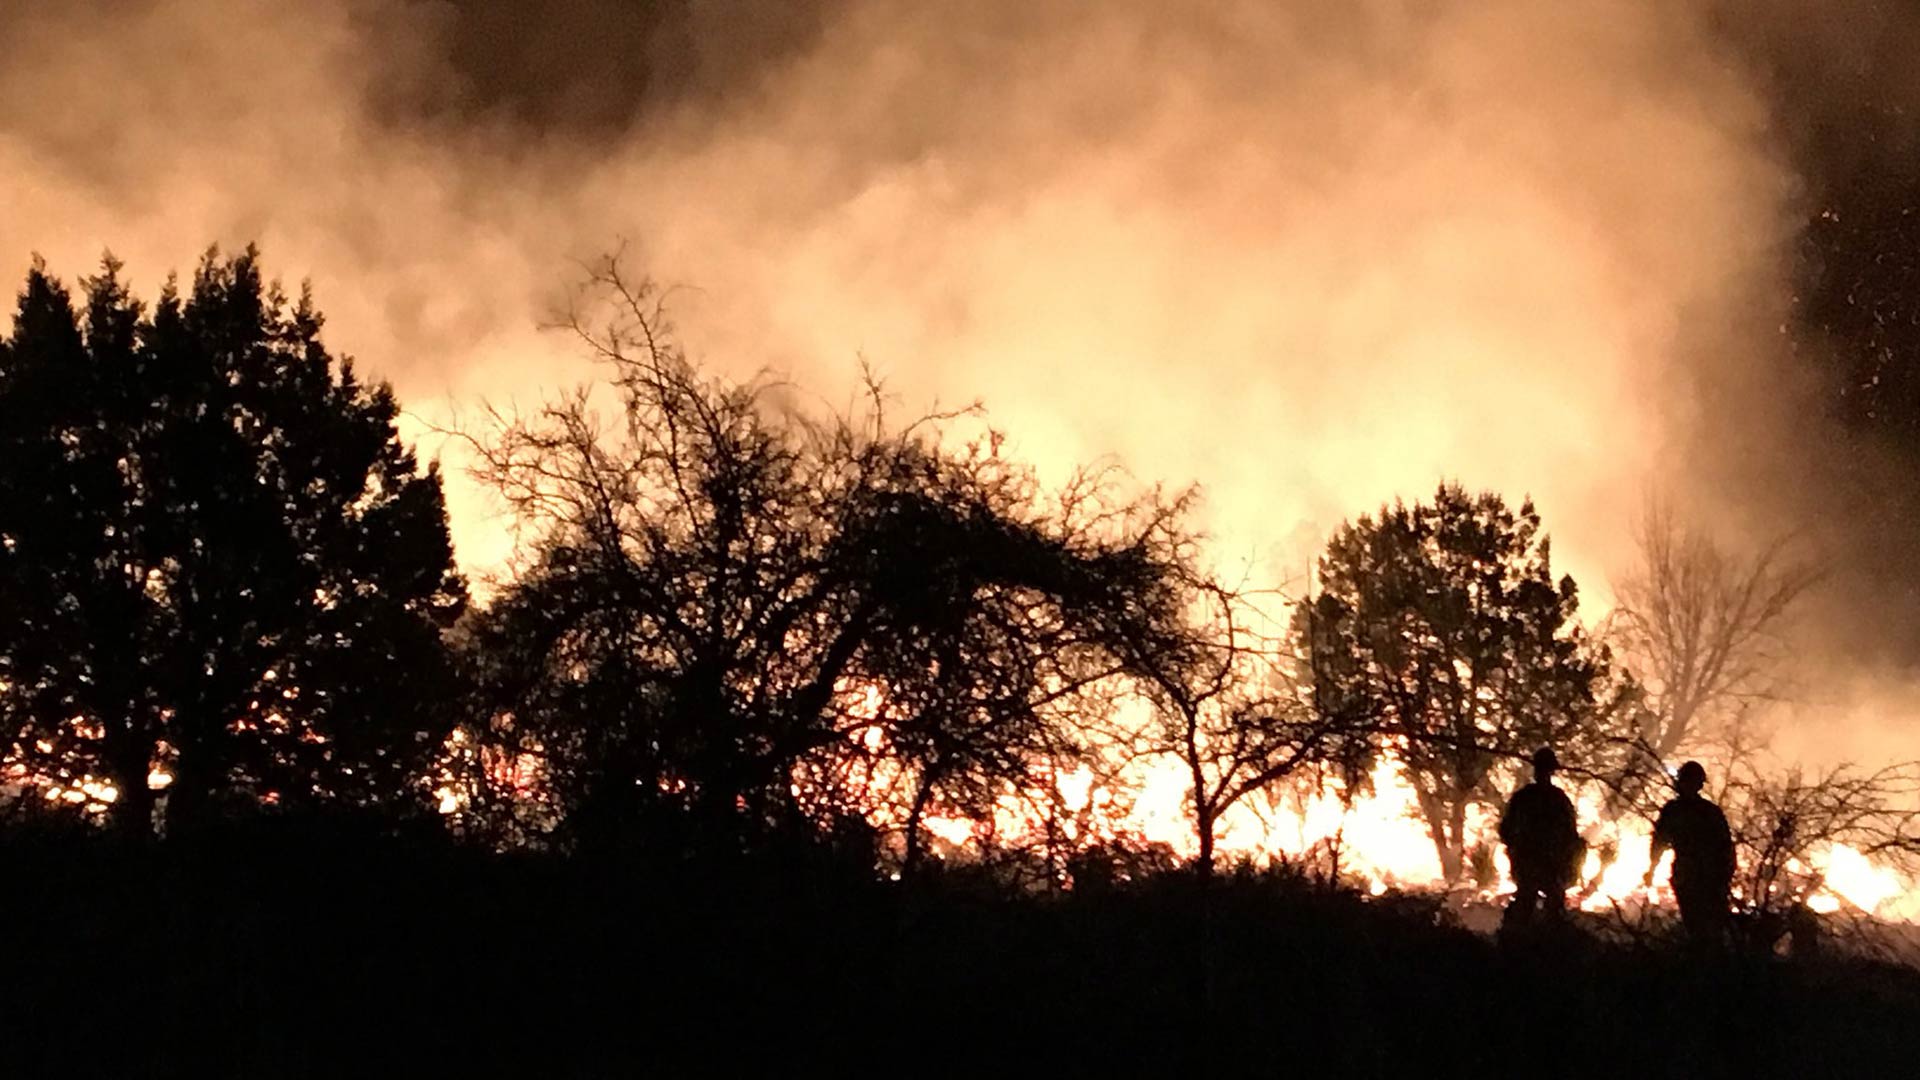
point(1312, 255)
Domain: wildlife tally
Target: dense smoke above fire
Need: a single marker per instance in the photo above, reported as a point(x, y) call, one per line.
point(1313, 256)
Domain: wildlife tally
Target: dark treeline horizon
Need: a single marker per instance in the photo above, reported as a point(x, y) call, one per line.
point(230, 590)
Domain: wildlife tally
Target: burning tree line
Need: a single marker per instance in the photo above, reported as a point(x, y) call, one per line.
point(226, 587)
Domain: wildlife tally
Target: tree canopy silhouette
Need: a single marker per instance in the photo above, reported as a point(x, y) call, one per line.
point(217, 558)
point(1442, 622)
point(736, 616)
point(1224, 700)
point(1703, 630)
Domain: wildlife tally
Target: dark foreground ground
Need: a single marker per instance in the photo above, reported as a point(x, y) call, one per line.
point(278, 954)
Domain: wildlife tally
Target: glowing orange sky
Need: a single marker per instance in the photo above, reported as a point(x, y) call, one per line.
point(1312, 256)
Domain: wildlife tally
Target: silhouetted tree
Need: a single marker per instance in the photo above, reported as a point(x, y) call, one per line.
point(758, 620)
point(1224, 702)
point(217, 559)
point(1442, 622)
point(1701, 630)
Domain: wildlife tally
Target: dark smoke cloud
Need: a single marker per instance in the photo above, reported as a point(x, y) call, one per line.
point(579, 70)
point(1843, 96)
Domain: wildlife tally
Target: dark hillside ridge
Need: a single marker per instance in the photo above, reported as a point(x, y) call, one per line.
point(310, 954)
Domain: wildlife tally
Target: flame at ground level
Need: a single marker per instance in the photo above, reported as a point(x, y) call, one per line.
point(1383, 843)
point(1378, 838)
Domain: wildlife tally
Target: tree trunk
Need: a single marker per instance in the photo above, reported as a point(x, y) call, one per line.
point(189, 796)
point(130, 760)
point(910, 862)
point(1456, 840)
point(133, 810)
point(1205, 813)
point(1445, 824)
point(1203, 827)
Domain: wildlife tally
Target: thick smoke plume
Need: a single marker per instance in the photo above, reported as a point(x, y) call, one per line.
point(1312, 255)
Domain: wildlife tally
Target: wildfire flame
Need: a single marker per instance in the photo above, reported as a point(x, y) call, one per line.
point(1379, 835)
point(1384, 844)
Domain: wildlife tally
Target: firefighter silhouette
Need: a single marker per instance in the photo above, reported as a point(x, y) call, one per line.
point(1544, 849)
point(1702, 845)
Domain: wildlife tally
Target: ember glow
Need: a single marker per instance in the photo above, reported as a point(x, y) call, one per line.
point(1314, 256)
